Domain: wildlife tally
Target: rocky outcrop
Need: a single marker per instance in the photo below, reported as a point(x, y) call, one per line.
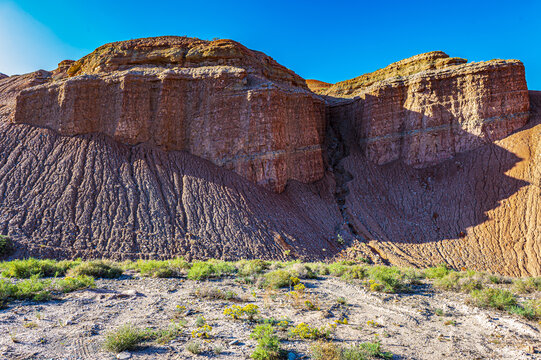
point(2, 76)
point(218, 100)
point(126, 153)
point(317, 86)
point(11, 87)
point(479, 210)
point(428, 61)
point(432, 115)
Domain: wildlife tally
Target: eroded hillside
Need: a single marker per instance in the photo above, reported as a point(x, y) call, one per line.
point(169, 146)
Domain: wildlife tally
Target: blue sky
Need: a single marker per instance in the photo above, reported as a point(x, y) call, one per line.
point(325, 40)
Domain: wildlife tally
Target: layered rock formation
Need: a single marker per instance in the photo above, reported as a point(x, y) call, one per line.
point(218, 100)
point(3, 76)
point(125, 154)
point(431, 115)
point(428, 61)
point(479, 210)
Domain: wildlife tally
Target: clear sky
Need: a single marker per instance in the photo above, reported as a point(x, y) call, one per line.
point(325, 40)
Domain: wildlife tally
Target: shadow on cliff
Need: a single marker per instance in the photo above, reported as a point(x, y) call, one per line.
point(90, 196)
point(399, 203)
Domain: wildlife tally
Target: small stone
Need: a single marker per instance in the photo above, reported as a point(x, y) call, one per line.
point(234, 342)
point(123, 355)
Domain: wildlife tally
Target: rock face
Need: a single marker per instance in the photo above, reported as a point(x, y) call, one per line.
point(428, 61)
point(127, 152)
point(218, 100)
point(479, 210)
point(432, 115)
point(317, 86)
point(3, 76)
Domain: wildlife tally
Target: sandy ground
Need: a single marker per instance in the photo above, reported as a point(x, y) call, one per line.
point(74, 326)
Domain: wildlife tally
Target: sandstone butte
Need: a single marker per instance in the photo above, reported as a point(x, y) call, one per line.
point(170, 146)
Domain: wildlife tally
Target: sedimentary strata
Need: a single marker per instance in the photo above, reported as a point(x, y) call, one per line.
point(128, 153)
point(434, 114)
point(217, 100)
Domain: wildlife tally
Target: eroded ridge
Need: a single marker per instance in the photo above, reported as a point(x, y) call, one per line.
point(218, 100)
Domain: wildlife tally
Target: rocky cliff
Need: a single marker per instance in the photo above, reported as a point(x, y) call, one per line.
point(128, 153)
point(431, 115)
point(218, 100)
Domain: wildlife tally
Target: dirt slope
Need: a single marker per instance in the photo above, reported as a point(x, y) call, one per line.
point(478, 210)
point(90, 196)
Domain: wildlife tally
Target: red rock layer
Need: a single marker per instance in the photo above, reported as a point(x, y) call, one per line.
point(479, 210)
point(255, 117)
point(431, 116)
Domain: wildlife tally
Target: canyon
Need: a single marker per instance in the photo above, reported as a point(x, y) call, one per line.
point(175, 146)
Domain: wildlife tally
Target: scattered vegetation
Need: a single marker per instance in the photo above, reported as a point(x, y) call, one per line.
point(493, 298)
point(280, 278)
point(129, 337)
point(323, 350)
point(97, 269)
point(202, 270)
point(160, 268)
point(37, 289)
point(437, 272)
point(528, 285)
point(126, 337)
point(214, 293)
point(194, 347)
point(459, 281)
point(27, 268)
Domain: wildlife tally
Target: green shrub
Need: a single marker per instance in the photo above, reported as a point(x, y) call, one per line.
point(251, 267)
point(30, 289)
point(280, 278)
point(367, 350)
point(530, 309)
point(413, 276)
point(24, 269)
point(527, 285)
point(493, 298)
point(161, 268)
point(163, 336)
point(339, 268)
point(437, 272)
point(126, 337)
point(458, 281)
point(301, 271)
point(305, 331)
point(6, 246)
point(222, 268)
point(40, 289)
point(268, 344)
point(205, 269)
point(200, 271)
point(354, 272)
point(194, 347)
point(391, 278)
point(69, 284)
point(97, 269)
point(319, 268)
